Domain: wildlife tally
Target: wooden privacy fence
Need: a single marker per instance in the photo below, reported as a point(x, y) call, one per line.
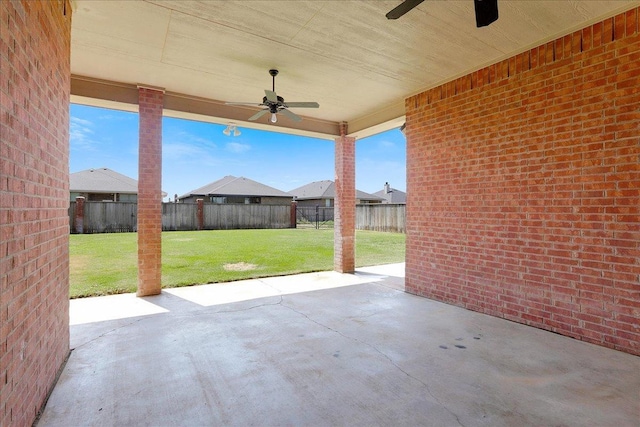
point(375, 217)
point(381, 217)
point(179, 217)
point(103, 217)
point(184, 216)
point(229, 217)
point(114, 217)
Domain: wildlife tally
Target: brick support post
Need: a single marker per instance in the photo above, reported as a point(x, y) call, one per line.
point(149, 191)
point(35, 42)
point(344, 250)
point(78, 217)
point(200, 213)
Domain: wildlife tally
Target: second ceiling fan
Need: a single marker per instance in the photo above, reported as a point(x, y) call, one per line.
point(275, 104)
point(486, 10)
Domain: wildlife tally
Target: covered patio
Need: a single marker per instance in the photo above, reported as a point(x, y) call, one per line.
point(523, 182)
point(328, 349)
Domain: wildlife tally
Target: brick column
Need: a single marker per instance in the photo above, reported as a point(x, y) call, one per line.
point(344, 249)
point(150, 102)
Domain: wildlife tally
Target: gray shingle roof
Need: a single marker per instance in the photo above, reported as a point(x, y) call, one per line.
point(236, 186)
point(393, 196)
point(102, 180)
point(325, 190)
point(315, 190)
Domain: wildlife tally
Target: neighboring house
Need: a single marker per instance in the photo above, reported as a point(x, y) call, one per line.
point(103, 184)
point(322, 193)
point(231, 189)
point(392, 195)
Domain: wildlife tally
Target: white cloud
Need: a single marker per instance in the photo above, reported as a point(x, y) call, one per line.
point(190, 138)
point(385, 144)
point(180, 150)
point(186, 147)
point(81, 133)
point(238, 148)
point(121, 116)
point(80, 122)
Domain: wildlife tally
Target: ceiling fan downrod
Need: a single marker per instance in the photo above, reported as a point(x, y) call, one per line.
point(273, 73)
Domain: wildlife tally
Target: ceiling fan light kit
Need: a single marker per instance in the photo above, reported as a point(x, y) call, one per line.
point(275, 104)
point(231, 129)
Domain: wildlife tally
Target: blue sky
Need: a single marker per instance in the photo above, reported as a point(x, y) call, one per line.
point(197, 153)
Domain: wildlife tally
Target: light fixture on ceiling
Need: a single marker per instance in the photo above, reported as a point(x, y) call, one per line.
point(231, 128)
point(274, 118)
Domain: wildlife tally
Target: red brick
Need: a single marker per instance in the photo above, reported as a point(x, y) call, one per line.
point(345, 204)
point(631, 22)
point(538, 187)
point(33, 204)
point(150, 192)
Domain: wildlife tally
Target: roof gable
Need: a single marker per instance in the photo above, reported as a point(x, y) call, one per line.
point(101, 180)
point(393, 196)
point(236, 186)
point(315, 190)
point(325, 190)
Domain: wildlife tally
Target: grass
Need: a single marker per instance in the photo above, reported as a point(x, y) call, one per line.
point(103, 264)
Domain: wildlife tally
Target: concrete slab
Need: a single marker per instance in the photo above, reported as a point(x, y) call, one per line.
point(359, 352)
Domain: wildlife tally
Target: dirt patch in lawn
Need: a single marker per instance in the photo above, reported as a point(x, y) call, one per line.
point(240, 266)
point(79, 262)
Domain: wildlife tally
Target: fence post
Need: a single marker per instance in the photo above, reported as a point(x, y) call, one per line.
point(78, 219)
point(294, 207)
point(200, 213)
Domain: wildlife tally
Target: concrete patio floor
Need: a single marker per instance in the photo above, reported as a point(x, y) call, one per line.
point(328, 349)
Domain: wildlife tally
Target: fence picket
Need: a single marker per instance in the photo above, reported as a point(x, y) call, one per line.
point(113, 217)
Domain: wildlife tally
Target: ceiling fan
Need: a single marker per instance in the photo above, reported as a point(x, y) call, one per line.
point(275, 104)
point(486, 10)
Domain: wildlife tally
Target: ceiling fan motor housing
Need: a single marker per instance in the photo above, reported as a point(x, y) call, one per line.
point(274, 107)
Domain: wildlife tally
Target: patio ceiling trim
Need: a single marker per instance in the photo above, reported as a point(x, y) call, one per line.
point(123, 96)
point(390, 117)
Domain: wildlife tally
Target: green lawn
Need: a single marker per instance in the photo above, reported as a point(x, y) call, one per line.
point(103, 264)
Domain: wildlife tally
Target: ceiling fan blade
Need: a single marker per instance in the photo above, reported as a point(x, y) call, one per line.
point(248, 104)
point(302, 104)
point(486, 12)
point(259, 114)
point(291, 115)
point(403, 8)
point(271, 95)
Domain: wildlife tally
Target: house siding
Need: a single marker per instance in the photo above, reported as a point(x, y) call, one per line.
point(264, 200)
point(524, 187)
point(323, 203)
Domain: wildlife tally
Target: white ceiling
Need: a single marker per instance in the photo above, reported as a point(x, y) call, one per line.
point(343, 54)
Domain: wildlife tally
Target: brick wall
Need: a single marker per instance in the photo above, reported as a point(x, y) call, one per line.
point(524, 187)
point(34, 197)
point(150, 104)
point(345, 205)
